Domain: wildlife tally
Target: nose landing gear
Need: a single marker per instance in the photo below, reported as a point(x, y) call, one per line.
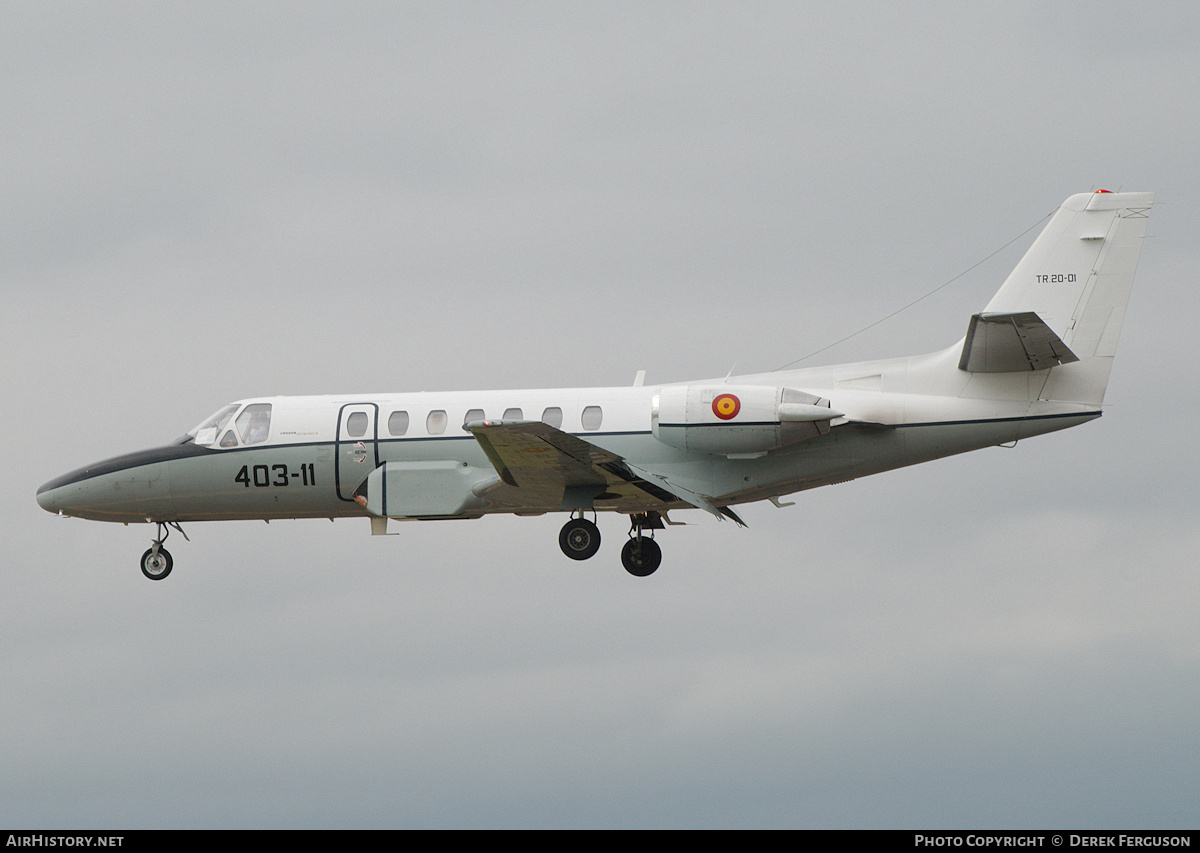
point(157, 562)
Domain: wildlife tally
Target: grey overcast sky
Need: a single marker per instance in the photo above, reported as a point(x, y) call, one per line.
point(201, 202)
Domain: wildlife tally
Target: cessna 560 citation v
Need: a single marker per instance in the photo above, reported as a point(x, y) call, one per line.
point(1035, 360)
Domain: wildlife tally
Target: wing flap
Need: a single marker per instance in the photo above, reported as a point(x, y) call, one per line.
point(688, 497)
point(551, 467)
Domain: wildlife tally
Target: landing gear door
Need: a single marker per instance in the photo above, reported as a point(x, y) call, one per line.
point(357, 451)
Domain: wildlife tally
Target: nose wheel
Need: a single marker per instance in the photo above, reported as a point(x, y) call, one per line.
point(157, 562)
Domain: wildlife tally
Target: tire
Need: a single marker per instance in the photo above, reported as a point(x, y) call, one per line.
point(579, 539)
point(641, 557)
point(157, 567)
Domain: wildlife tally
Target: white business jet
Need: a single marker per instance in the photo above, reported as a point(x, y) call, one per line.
point(1035, 360)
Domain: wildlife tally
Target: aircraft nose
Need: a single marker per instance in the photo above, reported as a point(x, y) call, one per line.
point(133, 487)
point(60, 494)
point(47, 498)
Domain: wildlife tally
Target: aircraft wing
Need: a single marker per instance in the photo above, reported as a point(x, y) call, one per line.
point(549, 466)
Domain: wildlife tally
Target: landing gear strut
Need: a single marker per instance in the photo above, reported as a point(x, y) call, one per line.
point(641, 554)
point(157, 562)
point(579, 539)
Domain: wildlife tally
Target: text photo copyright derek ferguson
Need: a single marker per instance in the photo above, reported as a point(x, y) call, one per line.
point(1054, 839)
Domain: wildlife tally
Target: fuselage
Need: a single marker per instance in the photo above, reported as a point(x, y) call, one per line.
point(311, 454)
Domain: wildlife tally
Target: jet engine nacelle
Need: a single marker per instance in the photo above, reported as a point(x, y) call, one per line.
point(737, 420)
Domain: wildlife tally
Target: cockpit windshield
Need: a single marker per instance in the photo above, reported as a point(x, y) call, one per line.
point(252, 426)
point(206, 433)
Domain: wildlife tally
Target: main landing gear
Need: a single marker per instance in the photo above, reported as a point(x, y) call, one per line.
point(580, 539)
point(157, 562)
point(641, 556)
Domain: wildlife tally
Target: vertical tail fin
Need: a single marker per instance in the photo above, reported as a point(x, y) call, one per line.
point(1076, 279)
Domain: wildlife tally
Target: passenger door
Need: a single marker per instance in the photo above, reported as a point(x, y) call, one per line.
point(356, 453)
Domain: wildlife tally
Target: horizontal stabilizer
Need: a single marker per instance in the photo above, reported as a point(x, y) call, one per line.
point(1008, 343)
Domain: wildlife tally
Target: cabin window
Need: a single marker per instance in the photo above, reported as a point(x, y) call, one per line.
point(474, 415)
point(553, 417)
point(356, 425)
point(592, 416)
point(254, 423)
point(435, 424)
point(513, 415)
point(398, 423)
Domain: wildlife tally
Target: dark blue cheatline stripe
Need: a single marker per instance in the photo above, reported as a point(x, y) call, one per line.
point(895, 426)
point(125, 462)
point(728, 424)
point(188, 450)
point(1094, 414)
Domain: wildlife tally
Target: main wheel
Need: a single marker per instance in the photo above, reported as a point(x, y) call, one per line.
point(579, 539)
point(157, 566)
point(641, 557)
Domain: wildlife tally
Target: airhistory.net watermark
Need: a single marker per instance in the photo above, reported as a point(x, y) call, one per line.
point(38, 839)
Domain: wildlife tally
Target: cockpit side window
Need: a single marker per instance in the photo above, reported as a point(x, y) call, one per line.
point(254, 423)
